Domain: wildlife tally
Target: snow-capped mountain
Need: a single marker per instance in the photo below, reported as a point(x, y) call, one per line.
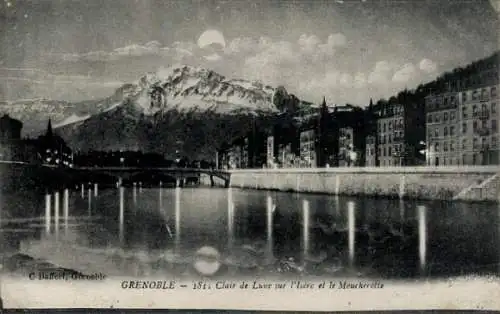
point(186, 87)
point(178, 87)
point(180, 104)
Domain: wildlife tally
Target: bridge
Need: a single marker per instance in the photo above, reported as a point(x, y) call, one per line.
point(180, 175)
point(50, 177)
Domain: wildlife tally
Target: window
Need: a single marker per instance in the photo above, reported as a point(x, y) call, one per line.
point(464, 96)
point(384, 127)
point(452, 115)
point(484, 94)
point(445, 116)
point(494, 126)
point(436, 147)
point(464, 112)
point(484, 109)
point(474, 158)
point(494, 142)
point(390, 126)
point(474, 110)
point(483, 124)
point(452, 130)
point(436, 132)
point(475, 144)
point(464, 128)
point(493, 107)
point(475, 95)
point(445, 131)
point(494, 91)
point(385, 151)
point(452, 146)
point(474, 126)
point(464, 159)
point(429, 118)
point(437, 118)
point(464, 144)
point(445, 146)
point(390, 151)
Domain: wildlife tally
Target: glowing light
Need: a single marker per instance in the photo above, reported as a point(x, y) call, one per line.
point(207, 261)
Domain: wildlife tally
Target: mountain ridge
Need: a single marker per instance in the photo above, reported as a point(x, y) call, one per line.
point(177, 87)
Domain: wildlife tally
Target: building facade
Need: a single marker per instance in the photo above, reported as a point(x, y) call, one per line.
point(442, 123)
point(12, 147)
point(370, 156)
point(479, 116)
point(346, 147)
point(308, 148)
point(391, 134)
point(10, 129)
point(270, 152)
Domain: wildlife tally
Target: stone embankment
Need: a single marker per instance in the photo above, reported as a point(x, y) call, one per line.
point(480, 183)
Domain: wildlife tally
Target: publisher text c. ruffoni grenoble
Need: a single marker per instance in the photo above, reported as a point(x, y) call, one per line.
point(348, 284)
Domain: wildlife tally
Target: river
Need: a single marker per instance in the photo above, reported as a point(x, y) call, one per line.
point(234, 232)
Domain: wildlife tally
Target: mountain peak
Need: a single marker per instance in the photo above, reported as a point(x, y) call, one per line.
point(188, 87)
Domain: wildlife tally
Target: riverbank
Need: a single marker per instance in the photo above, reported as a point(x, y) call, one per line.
point(480, 183)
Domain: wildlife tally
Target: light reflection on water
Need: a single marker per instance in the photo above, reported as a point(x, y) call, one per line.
point(263, 231)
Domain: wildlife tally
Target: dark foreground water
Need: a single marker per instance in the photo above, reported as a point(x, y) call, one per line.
point(139, 232)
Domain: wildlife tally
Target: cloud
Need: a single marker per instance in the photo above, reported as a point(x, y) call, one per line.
point(282, 62)
point(308, 43)
point(346, 80)
point(336, 40)
point(135, 50)
point(404, 74)
point(213, 57)
point(359, 80)
point(381, 73)
point(55, 86)
point(427, 65)
point(248, 45)
point(178, 51)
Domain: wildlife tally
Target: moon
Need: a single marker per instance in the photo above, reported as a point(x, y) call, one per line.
point(211, 36)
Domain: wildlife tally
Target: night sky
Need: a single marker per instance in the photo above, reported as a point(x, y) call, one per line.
point(348, 51)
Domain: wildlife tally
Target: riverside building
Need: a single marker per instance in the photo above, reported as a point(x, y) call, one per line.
point(390, 132)
point(442, 129)
point(370, 156)
point(346, 147)
point(308, 148)
point(479, 116)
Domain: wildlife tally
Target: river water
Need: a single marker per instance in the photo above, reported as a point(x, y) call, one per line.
point(234, 232)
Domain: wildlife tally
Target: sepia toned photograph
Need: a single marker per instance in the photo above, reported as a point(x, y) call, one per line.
point(250, 155)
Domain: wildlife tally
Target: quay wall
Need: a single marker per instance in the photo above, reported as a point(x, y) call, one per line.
point(436, 183)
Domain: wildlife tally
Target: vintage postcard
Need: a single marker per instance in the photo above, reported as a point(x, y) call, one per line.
point(250, 155)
